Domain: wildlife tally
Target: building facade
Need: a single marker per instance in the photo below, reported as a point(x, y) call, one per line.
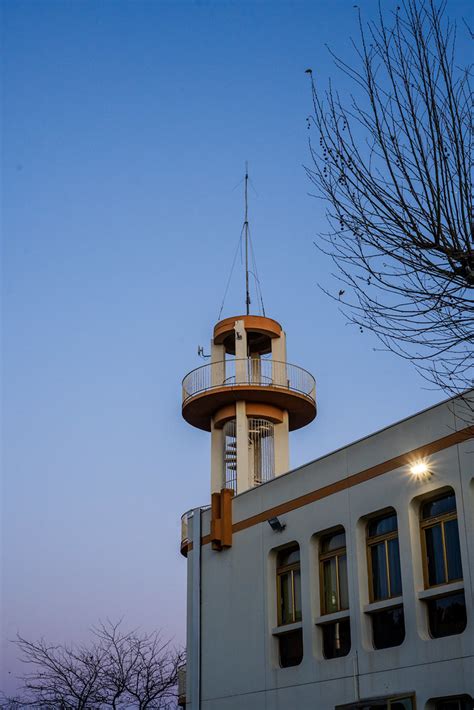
point(346, 583)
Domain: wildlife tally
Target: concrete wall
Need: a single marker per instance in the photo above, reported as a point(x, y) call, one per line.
point(239, 653)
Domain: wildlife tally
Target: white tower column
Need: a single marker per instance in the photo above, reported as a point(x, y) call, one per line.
point(279, 347)
point(242, 447)
point(279, 374)
point(217, 458)
point(282, 454)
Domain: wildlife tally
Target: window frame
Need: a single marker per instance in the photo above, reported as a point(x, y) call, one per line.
point(280, 572)
point(358, 704)
point(376, 540)
point(431, 523)
point(323, 557)
point(462, 700)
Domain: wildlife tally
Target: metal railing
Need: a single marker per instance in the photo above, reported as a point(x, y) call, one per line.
point(248, 371)
point(185, 518)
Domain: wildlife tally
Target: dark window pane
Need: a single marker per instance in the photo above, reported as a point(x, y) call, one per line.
point(333, 542)
point(297, 599)
point(289, 556)
point(394, 566)
point(336, 639)
point(440, 506)
point(330, 586)
point(398, 704)
point(343, 589)
point(388, 627)
point(378, 705)
point(447, 615)
point(286, 599)
point(434, 555)
point(379, 571)
point(453, 552)
point(291, 648)
point(381, 526)
point(365, 705)
point(460, 702)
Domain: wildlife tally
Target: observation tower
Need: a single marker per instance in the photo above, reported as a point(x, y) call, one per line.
point(248, 396)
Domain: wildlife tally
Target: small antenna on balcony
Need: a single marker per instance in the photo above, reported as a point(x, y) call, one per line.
point(201, 352)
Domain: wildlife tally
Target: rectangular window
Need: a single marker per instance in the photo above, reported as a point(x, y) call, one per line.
point(289, 585)
point(385, 581)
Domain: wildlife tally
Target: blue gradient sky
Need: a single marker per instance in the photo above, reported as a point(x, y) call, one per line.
point(126, 128)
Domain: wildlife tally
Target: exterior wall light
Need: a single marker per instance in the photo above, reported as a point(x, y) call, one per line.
point(276, 525)
point(420, 470)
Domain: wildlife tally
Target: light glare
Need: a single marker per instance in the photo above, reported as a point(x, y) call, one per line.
point(419, 469)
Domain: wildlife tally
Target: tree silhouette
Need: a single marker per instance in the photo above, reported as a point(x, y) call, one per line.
point(117, 669)
point(394, 164)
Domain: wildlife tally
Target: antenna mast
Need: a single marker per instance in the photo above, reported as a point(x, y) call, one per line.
point(246, 227)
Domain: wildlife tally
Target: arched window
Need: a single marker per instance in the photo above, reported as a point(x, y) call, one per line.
point(440, 539)
point(290, 642)
point(334, 593)
point(385, 580)
point(442, 565)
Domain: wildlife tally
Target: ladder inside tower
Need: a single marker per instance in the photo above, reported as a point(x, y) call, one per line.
point(230, 455)
point(261, 452)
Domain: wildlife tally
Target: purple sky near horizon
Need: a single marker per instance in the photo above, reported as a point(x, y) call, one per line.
point(126, 126)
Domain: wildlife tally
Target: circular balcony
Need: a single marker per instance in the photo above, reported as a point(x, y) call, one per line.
point(210, 387)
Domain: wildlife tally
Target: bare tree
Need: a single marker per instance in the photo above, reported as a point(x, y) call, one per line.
point(394, 164)
point(63, 676)
point(142, 669)
point(116, 670)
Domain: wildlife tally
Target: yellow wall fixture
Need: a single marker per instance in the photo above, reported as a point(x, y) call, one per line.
point(221, 519)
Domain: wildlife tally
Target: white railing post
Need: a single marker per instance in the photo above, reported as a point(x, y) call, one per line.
point(241, 375)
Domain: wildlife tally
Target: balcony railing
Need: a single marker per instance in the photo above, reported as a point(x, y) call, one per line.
point(185, 525)
point(248, 371)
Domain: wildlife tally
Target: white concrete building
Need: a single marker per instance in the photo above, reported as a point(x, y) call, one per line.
point(344, 584)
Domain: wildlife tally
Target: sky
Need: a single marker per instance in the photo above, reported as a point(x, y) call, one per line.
point(126, 127)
